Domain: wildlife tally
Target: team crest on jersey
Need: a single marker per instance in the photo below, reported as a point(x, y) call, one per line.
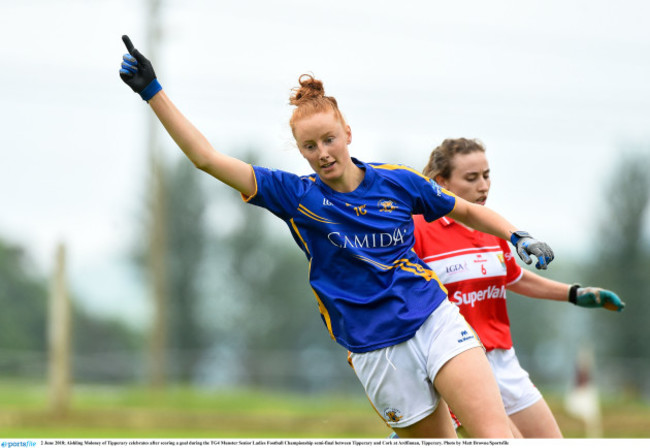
point(393, 415)
point(386, 205)
point(502, 260)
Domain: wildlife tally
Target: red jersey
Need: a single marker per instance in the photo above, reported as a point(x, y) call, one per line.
point(476, 268)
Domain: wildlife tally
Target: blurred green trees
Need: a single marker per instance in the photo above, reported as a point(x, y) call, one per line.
point(23, 308)
point(181, 249)
point(547, 335)
point(621, 262)
point(187, 240)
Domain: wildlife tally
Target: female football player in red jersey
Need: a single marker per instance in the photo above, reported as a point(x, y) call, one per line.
point(409, 346)
point(477, 269)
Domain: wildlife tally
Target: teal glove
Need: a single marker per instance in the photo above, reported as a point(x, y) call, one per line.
point(591, 297)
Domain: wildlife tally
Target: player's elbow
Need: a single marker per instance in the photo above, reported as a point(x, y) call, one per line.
point(201, 159)
point(200, 163)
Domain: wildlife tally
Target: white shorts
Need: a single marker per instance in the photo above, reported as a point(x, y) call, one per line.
point(399, 379)
point(517, 390)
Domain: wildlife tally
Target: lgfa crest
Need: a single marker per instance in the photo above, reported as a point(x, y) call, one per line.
point(393, 415)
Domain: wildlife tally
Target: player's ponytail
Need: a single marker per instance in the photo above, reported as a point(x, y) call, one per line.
point(309, 98)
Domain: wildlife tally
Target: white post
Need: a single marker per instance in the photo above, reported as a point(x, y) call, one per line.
point(583, 400)
point(59, 333)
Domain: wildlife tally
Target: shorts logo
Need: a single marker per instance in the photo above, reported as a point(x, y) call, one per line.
point(465, 335)
point(393, 415)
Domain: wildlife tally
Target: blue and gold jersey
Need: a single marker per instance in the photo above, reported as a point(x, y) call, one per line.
point(372, 289)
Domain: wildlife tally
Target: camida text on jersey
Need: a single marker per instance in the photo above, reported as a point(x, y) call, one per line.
point(372, 289)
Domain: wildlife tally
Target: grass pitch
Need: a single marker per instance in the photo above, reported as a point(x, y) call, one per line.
point(136, 412)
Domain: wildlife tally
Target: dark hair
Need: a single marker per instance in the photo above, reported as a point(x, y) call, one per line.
point(310, 99)
point(440, 160)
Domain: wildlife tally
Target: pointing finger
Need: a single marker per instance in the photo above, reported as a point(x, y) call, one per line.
point(128, 43)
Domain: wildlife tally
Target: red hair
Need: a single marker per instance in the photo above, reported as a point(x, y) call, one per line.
point(310, 99)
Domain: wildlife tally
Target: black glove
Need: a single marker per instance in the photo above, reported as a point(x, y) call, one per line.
point(137, 72)
point(526, 245)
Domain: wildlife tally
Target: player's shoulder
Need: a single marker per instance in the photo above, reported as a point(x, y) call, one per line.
point(396, 170)
point(287, 183)
point(308, 179)
point(400, 177)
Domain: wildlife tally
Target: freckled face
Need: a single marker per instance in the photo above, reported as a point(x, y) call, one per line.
point(323, 140)
point(470, 177)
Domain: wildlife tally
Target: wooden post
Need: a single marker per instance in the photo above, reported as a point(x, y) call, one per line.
point(157, 259)
point(59, 333)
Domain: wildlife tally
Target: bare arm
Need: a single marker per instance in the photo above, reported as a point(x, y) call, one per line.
point(488, 221)
point(137, 72)
point(538, 287)
point(196, 147)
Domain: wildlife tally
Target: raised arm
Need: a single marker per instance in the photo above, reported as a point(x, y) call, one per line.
point(486, 220)
point(137, 72)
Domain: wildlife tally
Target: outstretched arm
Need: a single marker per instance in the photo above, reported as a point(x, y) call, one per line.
point(486, 220)
point(137, 72)
point(482, 218)
point(536, 286)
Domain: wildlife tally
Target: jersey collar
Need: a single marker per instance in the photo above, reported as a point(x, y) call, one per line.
point(446, 221)
point(365, 184)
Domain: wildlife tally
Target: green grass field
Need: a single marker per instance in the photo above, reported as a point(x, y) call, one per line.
point(132, 412)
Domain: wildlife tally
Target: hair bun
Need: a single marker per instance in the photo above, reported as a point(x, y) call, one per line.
point(310, 88)
point(309, 99)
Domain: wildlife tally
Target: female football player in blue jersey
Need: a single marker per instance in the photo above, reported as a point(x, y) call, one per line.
point(409, 346)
